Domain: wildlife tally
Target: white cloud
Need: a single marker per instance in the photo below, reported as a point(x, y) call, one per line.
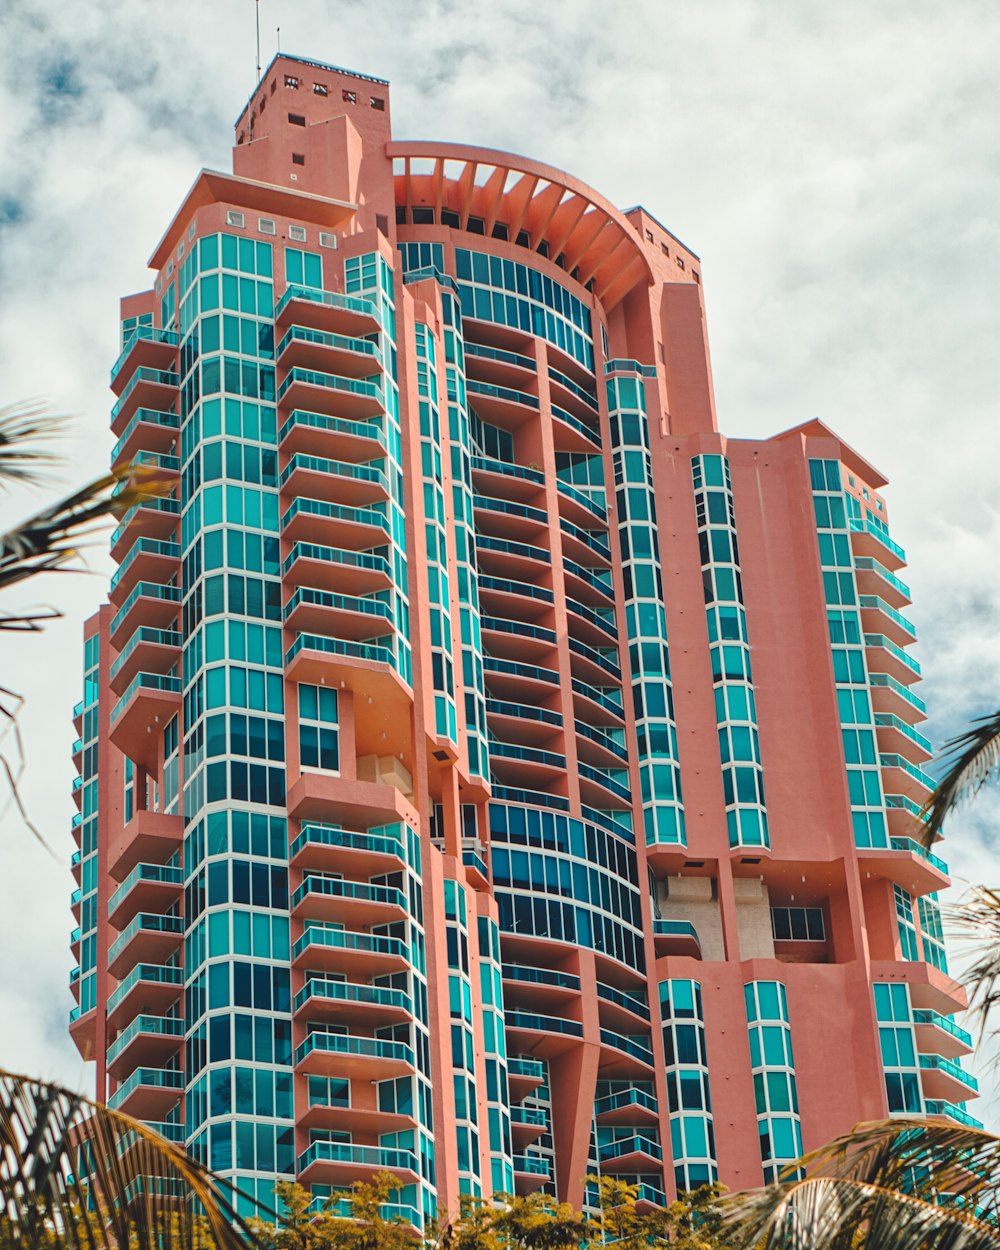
point(834, 165)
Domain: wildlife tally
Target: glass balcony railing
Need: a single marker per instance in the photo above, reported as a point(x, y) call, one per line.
point(489, 465)
point(338, 555)
point(75, 897)
point(623, 365)
point(320, 338)
point(352, 992)
point(145, 681)
point(911, 770)
point(155, 974)
point(542, 1024)
point(514, 668)
point(172, 1132)
point(626, 1098)
point(519, 629)
point(936, 1106)
point(906, 804)
point(918, 848)
point(596, 579)
point(581, 427)
point(145, 922)
point(147, 634)
point(528, 755)
point(859, 526)
point(880, 640)
point(378, 652)
point(160, 873)
point(156, 1078)
point(374, 517)
point(637, 1144)
point(506, 586)
point(523, 711)
point(638, 1048)
point(160, 1026)
point(364, 605)
point(888, 721)
point(346, 1044)
point(603, 619)
point(171, 506)
point(675, 928)
point(145, 590)
point(346, 940)
point(502, 392)
point(945, 1023)
point(382, 1158)
point(883, 680)
point(605, 696)
point(880, 605)
point(612, 740)
point(574, 388)
point(498, 354)
point(541, 976)
point(867, 564)
point(532, 1117)
point(143, 376)
point(337, 887)
point(938, 1063)
point(595, 541)
point(333, 425)
point(504, 546)
point(329, 299)
point(586, 499)
point(145, 416)
point(530, 1069)
point(616, 785)
point(145, 547)
point(533, 1165)
point(607, 660)
point(300, 462)
point(530, 798)
point(631, 1002)
point(149, 334)
point(383, 841)
point(510, 507)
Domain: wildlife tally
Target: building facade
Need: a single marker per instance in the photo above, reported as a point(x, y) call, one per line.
point(489, 772)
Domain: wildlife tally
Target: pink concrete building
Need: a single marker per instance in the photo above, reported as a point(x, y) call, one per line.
point(489, 772)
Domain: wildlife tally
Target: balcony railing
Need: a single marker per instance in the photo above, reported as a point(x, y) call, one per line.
point(505, 585)
point(541, 976)
point(383, 1158)
point(498, 354)
point(634, 1145)
point(346, 940)
point(880, 640)
point(533, 1165)
point(860, 526)
point(888, 721)
point(529, 1069)
point(867, 564)
point(329, 299)
point(523, 711)
point(145, 590)
point(610, 739)
point(154, 377)
point(502, 392)
point(637, 1048)
point(911, 770)
point(542, 1024)
point(161, 974)
point(581, 427)
point(352, 992)
point(626, 1098)
point(337, 887)
point(160, 873)
point(880, 605)
point(374, 651)
point(333, 425)
point(606, 660)
point(574, 388)
point(145, 416)
point(945, 1023)
point(157, 1078)
point(151, 334)
point(145, 922)
point(526, 474)
point(337, 468)
point(380, 842)
point(150, 635)
point(584, 498)
point(938, 1063)
point(145, 547)
point(595, 542)
point(918, 848)
point(631, 1002)
point(330, 382)
point(883, 680)
point(146, 681)
point(161, 1026)
point(320, 338)
point(346, 1044)
point(937, 1106)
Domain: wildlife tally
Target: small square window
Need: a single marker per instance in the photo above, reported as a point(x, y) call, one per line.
point(664, 249)
point(292, 82)
point(274, 85)
point(298, 233)
point(298, 158)
point(170, 270)
point(680, 262)
point(263, 103)
point(696, 275)
point(378, 103)
point(265, 225)
point(234, 218)
point(320, 88)
point(349, 97)
point(180, 249)
point(649, 235)
point(327, 240)
point(296, 119)
point(191, 231)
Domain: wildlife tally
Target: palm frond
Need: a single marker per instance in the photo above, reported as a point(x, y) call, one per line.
point(972, 759)
point(977, 916)
point(25, 429)
point(75, 1173)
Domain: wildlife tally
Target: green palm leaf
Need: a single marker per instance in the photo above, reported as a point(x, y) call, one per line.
point(972, 759)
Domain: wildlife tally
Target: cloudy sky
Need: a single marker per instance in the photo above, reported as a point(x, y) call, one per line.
point(835, 165)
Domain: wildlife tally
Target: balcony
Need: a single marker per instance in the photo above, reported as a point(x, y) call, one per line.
point(637, 1153)
point(316, 434)
point(885, 657)
point(498, 367)
point(879, 617)
point(571, 434)
point(531, 1171)
point(591, 586)
point(337, 569)
point(940, 1035)
point(621, 1009)
point(595, 626)
point(507, 481)
point(148, 887)
point(601, 705)
point(149, 603)
point(602, 789)
point(582, 507)
point(346, 1056)
point(906, 818)
point(351, 1002)
point(537, 987)
point(504, 597)
point(149, 650)
point(893, 698)
point(341, 1163)
point(501, 405)
point(504, 558)
point(908, 863)
point(357, 485)
point(148, 1040)
point(901, 777)
point(570, 394)
point(351, 903)
point(149, 430)
point(628, 1106)
point(600, 746)
point(352, 356)
point(328, 848)
point(868, 540)
point(526, 722)
point(359, 956)
point(148, 560)
point(523, 1076)
point(147, 347)
point(527, 1124)
point(507, 518)
point(525, 765)
point(356, 399)
point(516, 639)
point(146, 388)
point(582, 544)
point(150, 701)
point(148, 838)
point(875, 579)
point(514, 682)
point(624, 1055)
point(330, 311)
point(356, 617)
point(948, 1111)
point(335, 525)
point(153, 518)
point(593, 664)
point(148, 988)
point(897, 736)
point(542, 1035)
point(676, 937)
point(945, 1079)
point(148, 1094)
point(149, 938)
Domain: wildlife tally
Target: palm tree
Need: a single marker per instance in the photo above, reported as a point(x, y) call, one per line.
point(971, 760)
point(901, 1184)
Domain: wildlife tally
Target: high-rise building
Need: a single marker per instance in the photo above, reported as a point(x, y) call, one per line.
point(489, 772)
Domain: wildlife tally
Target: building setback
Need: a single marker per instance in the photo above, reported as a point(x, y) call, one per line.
point(489, 772)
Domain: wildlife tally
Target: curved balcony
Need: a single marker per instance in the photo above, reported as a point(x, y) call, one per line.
point(501, 405)
point(592, 664)
point(319, 350)
point(508, 481)
point(351, 1002)
point(507, 518)
point(515, 682)
point(601, 789)
point(598, 705)
point(594, 626)
point(582, 544)
point(317, 434)
point(148, 988)
point(146, 347)
point(499, 367)
point(150, 700)
point(526, 722)
point(885, 657)
point(946, 1080)
point(356, 399)
point(570, 394)
point(542, 1035)
point(524, 1076)
point(149, 837)
point(621, 1010)
point(502, 597)
point(624, 1055)
point(637, 1153)
point(148, 560)
point(676, 937)
point(148, 604)
point(332, 849)
point(868, 540)
point(879, 617)
point(148, 887)
point(502, 557)
point(149, 938)
point(516, 639)
point(348, 1056)
point(354, 484)
point(941, 1035)
point(148, 1094)
point(350, 315)
point(590, 586)
point(147, 1041)
point(314, 521)
point(355, 903)
point(901, 777)
point(146, 388)
point(529, 988)
point(582, 507)
point(600, 746)
point(898, 736)
point(311, 611)
point(628, 1106)
point(875, 579)
point(571, 434)
point(149, 650)
point(892, 697)
point(153, 518)
point(341, 1163)
point(149, 430)
point(357, 955)
point(515, 764)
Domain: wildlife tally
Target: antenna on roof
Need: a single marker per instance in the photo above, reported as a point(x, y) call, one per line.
point(279, 39)
point(257, 8)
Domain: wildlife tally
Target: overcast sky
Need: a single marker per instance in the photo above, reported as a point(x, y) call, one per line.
point(835, 166)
